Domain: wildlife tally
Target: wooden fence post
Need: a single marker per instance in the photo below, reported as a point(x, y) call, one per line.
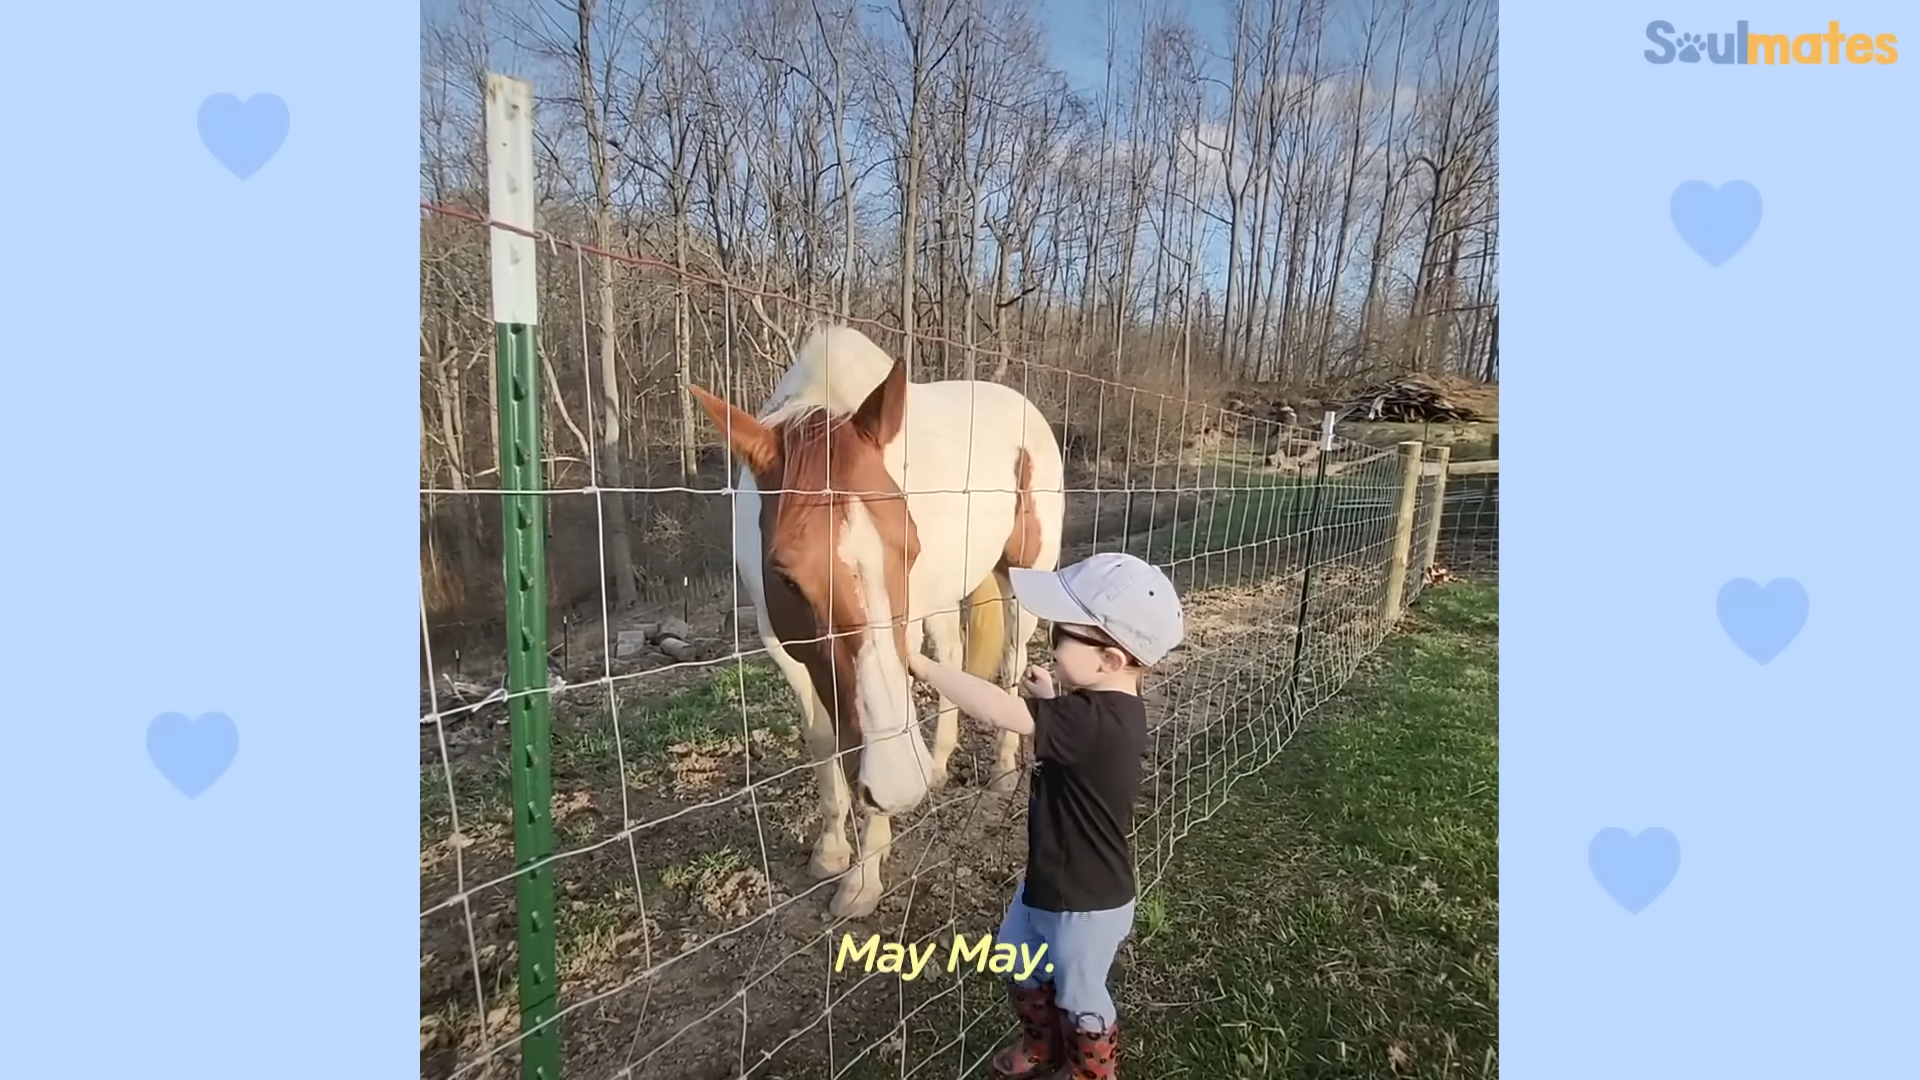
point(1402, 532)
point(1430, 543)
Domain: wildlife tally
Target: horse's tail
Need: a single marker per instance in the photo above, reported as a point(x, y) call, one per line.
point(988, 625)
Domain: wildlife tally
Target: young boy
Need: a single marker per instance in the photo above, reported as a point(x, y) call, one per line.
point(1113, 616)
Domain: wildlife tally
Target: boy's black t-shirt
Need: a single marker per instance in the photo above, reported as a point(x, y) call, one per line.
point(1087, 746)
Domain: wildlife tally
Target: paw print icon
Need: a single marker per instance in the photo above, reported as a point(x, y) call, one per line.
point(1690, 46)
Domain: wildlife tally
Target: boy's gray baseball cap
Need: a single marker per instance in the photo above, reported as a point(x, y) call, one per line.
point(1127, 597)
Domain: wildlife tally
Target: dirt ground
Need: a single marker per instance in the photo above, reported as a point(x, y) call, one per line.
point(673, 916)
point(692, 941)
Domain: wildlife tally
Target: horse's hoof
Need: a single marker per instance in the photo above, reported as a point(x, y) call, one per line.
point(937, 780)
point(855, 903)
point(830, 861)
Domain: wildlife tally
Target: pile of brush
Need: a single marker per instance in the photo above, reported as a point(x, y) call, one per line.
point(1409, 399)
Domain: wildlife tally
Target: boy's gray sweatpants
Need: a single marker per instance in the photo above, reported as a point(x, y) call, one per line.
point(1080, 945)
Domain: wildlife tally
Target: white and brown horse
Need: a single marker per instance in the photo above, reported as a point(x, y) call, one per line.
point(867, 509)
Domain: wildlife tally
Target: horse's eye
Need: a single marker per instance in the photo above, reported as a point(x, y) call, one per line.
point(788, 584)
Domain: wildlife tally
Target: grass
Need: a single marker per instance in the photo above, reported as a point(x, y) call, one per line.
point(1362, 874)
point(1274, 509)
point(1336, 919)
point(703, 867)
point(1243, 504)
point(585, 754)
point(703, 715)
point(1247, 503)
point(1470, 442)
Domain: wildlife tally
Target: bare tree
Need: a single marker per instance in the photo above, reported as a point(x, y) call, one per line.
point(1309, 195)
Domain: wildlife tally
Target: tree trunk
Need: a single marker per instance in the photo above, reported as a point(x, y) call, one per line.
point(612, 466)
point(1370, 306)
point(1356, 137)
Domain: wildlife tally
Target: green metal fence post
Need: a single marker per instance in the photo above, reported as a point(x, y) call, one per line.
point(516, 321)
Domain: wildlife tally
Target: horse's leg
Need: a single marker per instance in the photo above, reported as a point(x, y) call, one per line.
point(943, 629)
point(1006, 767)
point(831, 852)
point(860, 890)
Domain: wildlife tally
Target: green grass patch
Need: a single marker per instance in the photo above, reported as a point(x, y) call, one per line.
point(481, 788)
point(1240, 502)
point(1273, 507)
point(703, 867)
point(1470, 441)
point(1339, 917)
point(701, 715)
point(585, 750)
point(1242, 506)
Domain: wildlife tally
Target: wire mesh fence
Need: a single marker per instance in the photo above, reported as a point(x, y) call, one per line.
point(1469, 547)
point(692, 937)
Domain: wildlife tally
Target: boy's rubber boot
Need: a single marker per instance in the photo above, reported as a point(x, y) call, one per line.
point(1039, 1051)
point(1091, 1055)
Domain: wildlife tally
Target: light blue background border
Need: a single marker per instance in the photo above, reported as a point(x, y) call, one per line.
point(1668, 426)
point(215, 503)
point(214, 434)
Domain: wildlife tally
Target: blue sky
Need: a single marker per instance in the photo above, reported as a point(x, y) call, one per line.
point(1077, 33)
point(1077, 29)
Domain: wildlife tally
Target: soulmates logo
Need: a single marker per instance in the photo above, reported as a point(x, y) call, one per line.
point(1742, 47)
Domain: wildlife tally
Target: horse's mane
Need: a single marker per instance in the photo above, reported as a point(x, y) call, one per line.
point(834, 368)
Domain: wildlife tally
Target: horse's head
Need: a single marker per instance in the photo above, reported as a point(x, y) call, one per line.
point(836, 543)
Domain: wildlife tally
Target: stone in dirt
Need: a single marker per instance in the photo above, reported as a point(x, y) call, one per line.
point(631, 643)
point(677, 649)
point(674, 628)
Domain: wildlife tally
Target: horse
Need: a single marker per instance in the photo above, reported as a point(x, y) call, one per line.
point(869, 503)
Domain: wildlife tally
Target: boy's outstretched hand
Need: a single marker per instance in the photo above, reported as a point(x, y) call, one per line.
point(1038, 682)
point(976, 697)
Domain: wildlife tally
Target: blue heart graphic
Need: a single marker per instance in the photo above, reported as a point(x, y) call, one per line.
point(192, 754)
point(1634, 870)
point(1716, 224)
point(1762, 621)
point(243, 136)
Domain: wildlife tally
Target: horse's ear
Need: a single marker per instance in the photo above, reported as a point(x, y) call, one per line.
point(752, 441)
point(884, 412)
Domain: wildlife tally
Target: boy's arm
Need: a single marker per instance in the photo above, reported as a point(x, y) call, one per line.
point(975, 696)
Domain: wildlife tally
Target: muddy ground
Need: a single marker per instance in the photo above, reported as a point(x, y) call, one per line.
point(692, 941)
